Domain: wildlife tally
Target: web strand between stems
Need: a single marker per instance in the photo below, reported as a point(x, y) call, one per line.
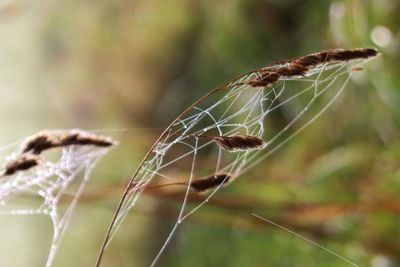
point(305, 238)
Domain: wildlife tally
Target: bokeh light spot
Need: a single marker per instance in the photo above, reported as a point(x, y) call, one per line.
point(381, 36)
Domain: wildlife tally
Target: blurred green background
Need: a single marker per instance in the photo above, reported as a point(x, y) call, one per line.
point(135, 65)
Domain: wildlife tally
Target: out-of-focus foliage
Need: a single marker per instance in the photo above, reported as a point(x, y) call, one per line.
point(137, 64)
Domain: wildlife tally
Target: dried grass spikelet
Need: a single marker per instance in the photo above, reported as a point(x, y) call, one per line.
point(47, 140)
point(23, 163)
point(265, 78)
point(236, 143)
point(200, 185)
point(81, 138)
point(38, 143)
point(357, 69)
point(300, 66)
point(210, 182)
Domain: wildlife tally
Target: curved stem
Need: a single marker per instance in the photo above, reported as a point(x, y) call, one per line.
point(125, 194)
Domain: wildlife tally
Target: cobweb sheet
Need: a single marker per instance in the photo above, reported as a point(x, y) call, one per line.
point(227, 132)
point(52, 185)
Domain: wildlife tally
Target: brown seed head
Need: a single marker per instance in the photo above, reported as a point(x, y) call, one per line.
point(83, 138)
point(301, 65)
point(238, 142)
point(266, 78)
point(210, 182)
point(47, 140)
point(38, 143)
point(23, 163)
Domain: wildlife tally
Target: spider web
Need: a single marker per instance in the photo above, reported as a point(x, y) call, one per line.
point(182, 154)
point(55, 183)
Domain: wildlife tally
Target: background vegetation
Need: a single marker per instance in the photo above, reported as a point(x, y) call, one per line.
point(137, 64)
